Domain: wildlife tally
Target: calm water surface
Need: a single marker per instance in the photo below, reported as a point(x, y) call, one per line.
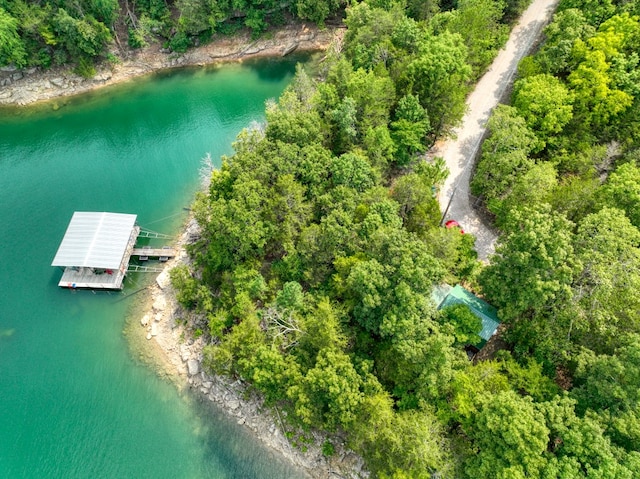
point(73, 402)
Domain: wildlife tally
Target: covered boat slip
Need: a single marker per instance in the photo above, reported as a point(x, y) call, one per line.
point(96, 250)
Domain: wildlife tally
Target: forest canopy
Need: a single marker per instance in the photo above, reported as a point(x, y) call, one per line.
point(321, 245)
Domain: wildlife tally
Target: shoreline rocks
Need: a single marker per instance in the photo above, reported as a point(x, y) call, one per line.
point(25, 87)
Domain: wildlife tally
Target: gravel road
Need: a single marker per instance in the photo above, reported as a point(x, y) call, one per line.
point(460, 151)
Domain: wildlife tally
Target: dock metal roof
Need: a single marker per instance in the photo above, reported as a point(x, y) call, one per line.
point(95, 240)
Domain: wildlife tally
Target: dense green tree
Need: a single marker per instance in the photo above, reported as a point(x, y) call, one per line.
point(331, 393)
point(478, 22)
point(289, 210)
point(379, 147)
point(291, 297)
point(345, 120)
point(375, 213)
point(369, 34)
point(312, 171)
point(608, 386)
point(84, 37)
point(471, 386)
point(293, 120)
point(595, 11)
point(607, 247)
point(374, 94)
point(186, 286)
point(534, 264)
point(597, 100)
point(316, 11)
point(105, 11)
point(622, 190)
point(545, 104)
point(235, 353)
point(507, 448)
point(478, 383)
point(465, 324)
point(409, 129)
point(454, 251)
point(320, 244)
point(505, 155)
point(407, 445)
point(235, 228)
point(353, 171)
point(436, 76)
point(422, 10)
point(574, 197)
point(534, 187)
point(12, 48)
point(528, 378)
point(417, 361)
point(194, 16)
point(579, 445)
point(609, 382)
point(368, 284)
point(529, 281)
point(419, 209)
point(556, 54)
point(323, 329)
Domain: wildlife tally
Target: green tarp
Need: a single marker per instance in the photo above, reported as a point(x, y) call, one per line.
point(447, 296)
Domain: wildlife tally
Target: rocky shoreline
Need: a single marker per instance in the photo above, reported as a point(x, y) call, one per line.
point(165, 340)
point(28, 86)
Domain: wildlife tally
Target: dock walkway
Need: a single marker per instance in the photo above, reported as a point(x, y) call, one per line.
point(146, 253)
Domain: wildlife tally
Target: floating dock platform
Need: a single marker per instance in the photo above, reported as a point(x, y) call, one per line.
point(96, 250)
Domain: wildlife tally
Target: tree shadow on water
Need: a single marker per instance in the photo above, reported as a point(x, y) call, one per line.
point(277, 69)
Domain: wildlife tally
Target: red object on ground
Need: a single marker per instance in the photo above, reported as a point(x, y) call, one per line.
point(454, 224)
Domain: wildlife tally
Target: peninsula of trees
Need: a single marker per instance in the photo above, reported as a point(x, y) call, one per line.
point(321, 246)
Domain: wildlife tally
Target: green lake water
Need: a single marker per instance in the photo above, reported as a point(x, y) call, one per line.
point(74, 402)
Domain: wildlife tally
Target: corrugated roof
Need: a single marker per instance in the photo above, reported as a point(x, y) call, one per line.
point(439, 293)
point(95, 240)
point(487, 313)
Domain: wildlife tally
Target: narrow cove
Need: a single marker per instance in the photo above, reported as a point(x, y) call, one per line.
point(74, 402)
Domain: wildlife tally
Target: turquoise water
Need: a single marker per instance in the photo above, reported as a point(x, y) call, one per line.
point(73, 401)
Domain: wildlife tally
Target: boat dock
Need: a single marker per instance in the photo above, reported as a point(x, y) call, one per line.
point(97, 247)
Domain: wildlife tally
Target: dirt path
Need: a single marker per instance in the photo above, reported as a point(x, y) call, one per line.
point(460, 151)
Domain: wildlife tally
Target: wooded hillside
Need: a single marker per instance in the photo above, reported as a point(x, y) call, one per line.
point(56, 32)
point(321, 246)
